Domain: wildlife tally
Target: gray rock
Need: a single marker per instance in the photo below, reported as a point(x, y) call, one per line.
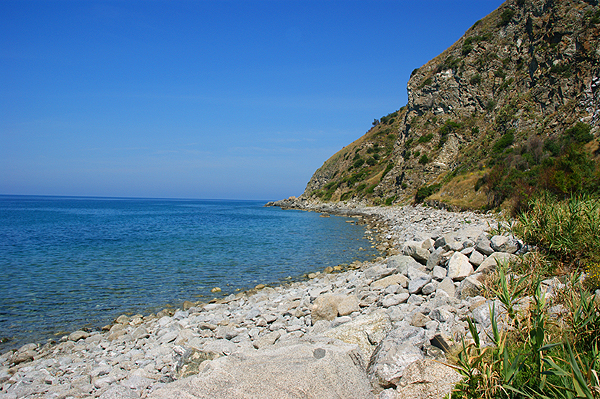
point(77, 335)
point(447, 285)
point(393, 300)
point(490, 263)
point(427, 379)
point(399, 279)
point(483, 245)
point(459, 267)
point(378, 271)
point(401, 263)
point(415, 285)
point(471, 286)
point(348, 305)
point(119, 392)
point(504, 244)
point(435, 258)
point(476, 258)
point(429, 288)
point(439, 273)
point(415, 250)
point(317, 371)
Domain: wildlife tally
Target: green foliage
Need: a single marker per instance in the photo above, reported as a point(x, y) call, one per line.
point(499, 73)
point(424, 159)
point(358, 163)
point(566, 230)
point(390, 200)
point(506, 16)
point(475, 80)
point(580, 133)
point(426, 82)
point(426, 191)
point(426, 138)
point(503, 142)
point(371, 161)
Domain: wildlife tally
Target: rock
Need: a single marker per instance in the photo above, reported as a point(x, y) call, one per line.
point(419, 320)
point(416, 251)
point(427, 379)
point(329, 306)
point(435, 258)
point(267, 340)
point(483, 245)
point(393, 300)
point(221, 347)
point(348, 305)
point(471, 286)
point(429, 288)
point(215, 289)
point(366, 331)
point(77, 335)
point(415, 285)
point(401, 263)
point(476, 258)
point(447, 286)
point(396, 351)
point(504, 244)
point(317, 371)
point(378, 271)
point(490, 263)
point(459, 267)
point(439, 273)
point(399, 279)
point(119, 392)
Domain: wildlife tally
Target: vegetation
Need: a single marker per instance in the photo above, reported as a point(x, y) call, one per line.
point(426, 191)
point(532, 354)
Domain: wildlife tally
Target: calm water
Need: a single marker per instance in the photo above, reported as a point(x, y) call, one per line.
point(69, 263)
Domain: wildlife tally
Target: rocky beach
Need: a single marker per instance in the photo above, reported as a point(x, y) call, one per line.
point(372, 329)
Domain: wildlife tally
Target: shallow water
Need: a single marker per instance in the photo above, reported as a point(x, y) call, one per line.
point(69, 263)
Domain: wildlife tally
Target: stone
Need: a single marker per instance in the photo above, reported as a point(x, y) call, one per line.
point(429, 288)
point(439, 273)
point(491, 262)
point(325, 307)
point(77, 335)
point(317, 371)
point(419, 320)
point(504, 244)
point(483, 245)
point(396, 351)
point(447, 286)
point(427, 379)
point(393, 300)
point(416, 251)
point(415, 285)
point(476, 258)
point(119, 392)
point(267, 340)
point(366, 331)
point(378, 271)
point(471, 286)
point(399, 279)
point(401, 263)
point(348, 305)
point(435, 258)
point(459, 267)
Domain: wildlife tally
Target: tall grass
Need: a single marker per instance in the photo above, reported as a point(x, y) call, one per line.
point(567, 230)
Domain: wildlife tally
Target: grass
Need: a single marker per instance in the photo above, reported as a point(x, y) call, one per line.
point(530, 352)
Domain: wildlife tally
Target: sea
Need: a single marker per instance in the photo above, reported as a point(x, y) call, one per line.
point(70, 263)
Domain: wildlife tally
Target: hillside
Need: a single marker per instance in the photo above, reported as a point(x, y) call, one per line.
point(510, 106)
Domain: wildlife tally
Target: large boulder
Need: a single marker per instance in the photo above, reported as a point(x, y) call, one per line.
point(329, 306)
point(366, 331)
point(299, 370)
point(427, 379)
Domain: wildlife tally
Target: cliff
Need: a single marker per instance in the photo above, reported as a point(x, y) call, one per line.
point(499, 99)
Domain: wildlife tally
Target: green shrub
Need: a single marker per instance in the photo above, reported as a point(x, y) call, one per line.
point(424, 159)
point(580, 133)
point(426, 138)
point(358, 163)
point(503, 142)
point(371, 161)
point(426, 191)
point(475, 80)
point(387, 170)
point(390, 200)
point(506, 16)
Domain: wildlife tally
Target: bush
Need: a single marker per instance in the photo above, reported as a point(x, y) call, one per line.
point(424, 159)
point(506, 16)
point(358, 163)
point(426, 138)
point(426, 191)
point(475, 80)
point(503, 142)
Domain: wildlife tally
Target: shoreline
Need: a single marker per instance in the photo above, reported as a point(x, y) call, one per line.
point(142, 355)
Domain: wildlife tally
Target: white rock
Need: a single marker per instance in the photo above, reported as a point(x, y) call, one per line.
point(459, 267)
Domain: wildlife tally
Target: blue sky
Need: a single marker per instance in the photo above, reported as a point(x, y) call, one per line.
point(202, 99)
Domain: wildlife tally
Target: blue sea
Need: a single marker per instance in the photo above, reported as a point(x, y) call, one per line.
point(72, 263)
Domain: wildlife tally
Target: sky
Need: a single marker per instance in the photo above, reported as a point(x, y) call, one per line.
point(240, 99)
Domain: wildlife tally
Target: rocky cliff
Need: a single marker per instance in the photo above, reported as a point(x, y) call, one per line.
point(523, 76)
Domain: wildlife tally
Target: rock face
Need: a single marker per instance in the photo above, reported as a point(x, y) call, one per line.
point(529, 66)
